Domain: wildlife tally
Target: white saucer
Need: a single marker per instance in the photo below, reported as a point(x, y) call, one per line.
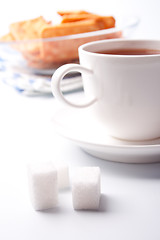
point(79, 127)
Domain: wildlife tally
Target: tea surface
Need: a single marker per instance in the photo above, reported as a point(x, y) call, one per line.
point(130, 51)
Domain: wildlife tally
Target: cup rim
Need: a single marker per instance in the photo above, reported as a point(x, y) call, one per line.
point(83, 47)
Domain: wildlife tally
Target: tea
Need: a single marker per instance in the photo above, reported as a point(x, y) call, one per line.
point(131, 51)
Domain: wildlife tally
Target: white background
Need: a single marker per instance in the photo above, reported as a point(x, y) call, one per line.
point(130, 203)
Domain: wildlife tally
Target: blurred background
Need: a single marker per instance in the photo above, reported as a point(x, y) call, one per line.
point(147, 10)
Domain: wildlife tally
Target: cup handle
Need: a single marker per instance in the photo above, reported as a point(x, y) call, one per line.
point(58, 76)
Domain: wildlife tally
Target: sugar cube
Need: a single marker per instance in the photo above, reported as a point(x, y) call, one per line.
point(86, 188)
point(43, 185)
point(63, 175)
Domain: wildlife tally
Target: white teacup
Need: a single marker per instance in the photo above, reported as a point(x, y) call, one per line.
point(124, 90)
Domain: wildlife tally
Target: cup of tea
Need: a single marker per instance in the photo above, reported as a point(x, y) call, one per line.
point(121, 79)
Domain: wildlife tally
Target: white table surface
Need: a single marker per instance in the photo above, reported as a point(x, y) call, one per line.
point(130, 201)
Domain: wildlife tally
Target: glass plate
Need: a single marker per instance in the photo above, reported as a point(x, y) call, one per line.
point(25, 68)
